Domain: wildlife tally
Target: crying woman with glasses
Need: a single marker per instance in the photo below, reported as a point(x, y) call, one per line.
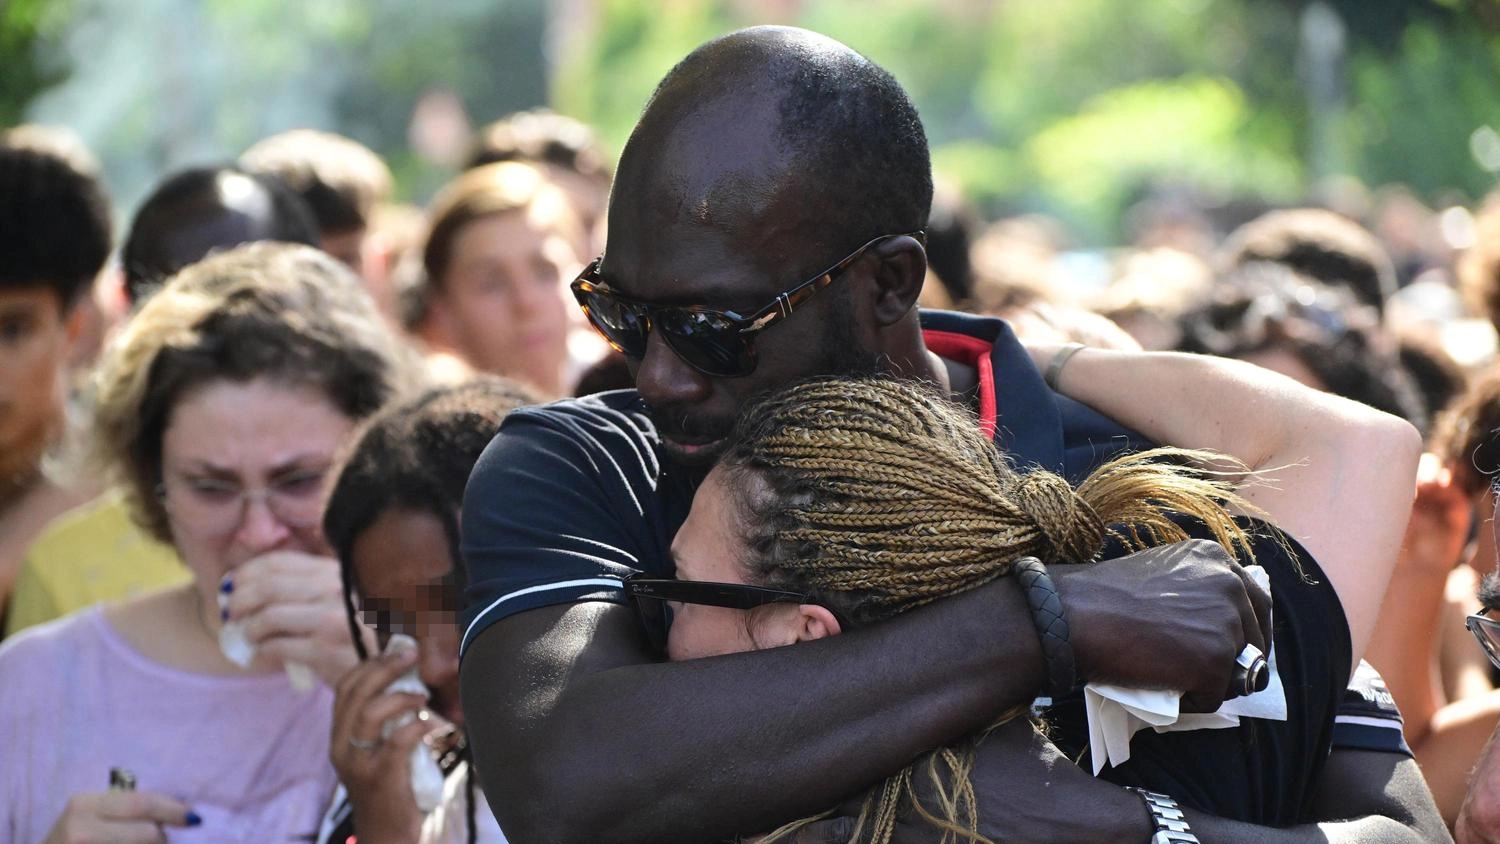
point(220, 409)
point(844, 503)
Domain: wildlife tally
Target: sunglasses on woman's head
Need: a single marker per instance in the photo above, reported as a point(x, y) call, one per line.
point(715, 342)
point(648, 596)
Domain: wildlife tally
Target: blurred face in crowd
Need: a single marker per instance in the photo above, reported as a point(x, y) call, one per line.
point(503, 304)
point(35, 335)
point(347, 246)
point(243, 467)
point(406, 582)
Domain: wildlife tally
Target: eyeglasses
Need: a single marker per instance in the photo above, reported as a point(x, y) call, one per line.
point(214, 507)
point(649, 595)
point(715, 342)
point(1487, 631)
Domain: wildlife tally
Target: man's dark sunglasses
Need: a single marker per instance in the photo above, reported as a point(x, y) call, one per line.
point(714, 342)
point(647, 596)
point(1487, 631)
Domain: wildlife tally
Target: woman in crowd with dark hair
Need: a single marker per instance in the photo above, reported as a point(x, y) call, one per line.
point(392, 518)
point(846, 502)
point(220, 409)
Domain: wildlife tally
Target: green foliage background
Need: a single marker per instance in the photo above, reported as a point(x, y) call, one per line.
point(1073, 107)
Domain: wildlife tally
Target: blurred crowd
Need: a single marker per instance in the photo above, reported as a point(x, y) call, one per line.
point(276, 361)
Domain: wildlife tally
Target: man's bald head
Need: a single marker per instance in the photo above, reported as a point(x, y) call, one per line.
point(205, 209)
point(782, 129)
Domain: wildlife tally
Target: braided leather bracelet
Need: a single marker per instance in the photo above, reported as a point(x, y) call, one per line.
point(1051, 625)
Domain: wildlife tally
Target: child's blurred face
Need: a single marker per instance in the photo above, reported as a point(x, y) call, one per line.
point(33, 351)
point(404, 572)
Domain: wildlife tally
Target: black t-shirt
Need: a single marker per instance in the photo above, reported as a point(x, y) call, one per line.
point(574, 496)
point(1263, 771)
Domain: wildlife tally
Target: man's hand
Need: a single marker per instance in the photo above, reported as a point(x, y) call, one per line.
point(1173, 617)
point(1026, 790)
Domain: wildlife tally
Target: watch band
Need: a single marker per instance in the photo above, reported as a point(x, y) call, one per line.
point(1171, 826)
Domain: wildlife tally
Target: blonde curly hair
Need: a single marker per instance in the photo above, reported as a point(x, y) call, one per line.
point(265, 310)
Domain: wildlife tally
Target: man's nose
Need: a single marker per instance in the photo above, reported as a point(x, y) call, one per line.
point(664, 379)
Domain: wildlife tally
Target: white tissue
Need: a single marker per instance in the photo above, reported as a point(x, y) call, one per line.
point(426, 776)
point(238, 650)
point(1115, 713)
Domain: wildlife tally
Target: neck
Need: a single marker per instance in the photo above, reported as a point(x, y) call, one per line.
point(908, 355)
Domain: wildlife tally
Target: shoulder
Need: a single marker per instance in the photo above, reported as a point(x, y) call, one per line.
point(37, 662)
point(96, 553)
point(604, 429)
point(56, 638)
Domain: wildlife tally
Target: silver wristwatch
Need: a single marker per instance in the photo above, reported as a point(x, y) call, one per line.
point(1171, 826)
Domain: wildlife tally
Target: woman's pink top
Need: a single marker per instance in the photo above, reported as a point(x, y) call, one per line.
point(247, 753)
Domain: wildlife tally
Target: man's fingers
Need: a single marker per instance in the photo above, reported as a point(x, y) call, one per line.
point(1261, 601)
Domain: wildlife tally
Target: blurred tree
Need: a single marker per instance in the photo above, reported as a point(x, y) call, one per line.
point(25, 25)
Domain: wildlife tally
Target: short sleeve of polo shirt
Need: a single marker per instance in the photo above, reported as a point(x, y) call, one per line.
point(1368, 718)
point(568, 500)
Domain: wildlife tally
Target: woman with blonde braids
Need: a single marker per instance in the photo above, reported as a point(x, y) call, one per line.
point(848, 502)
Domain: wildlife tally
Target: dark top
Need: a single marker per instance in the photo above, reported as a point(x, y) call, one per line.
point(1261, 772)
point(574, 496)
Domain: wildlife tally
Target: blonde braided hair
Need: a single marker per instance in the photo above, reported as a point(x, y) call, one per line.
point(874, 496)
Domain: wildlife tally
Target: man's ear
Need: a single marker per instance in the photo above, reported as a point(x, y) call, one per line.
point(898, 278)
point(815, 622)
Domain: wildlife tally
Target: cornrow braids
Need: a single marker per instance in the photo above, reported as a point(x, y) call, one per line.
point(874, 496)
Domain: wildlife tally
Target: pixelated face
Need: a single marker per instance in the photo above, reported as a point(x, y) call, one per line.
point(709, 547)
point(243, 471)
point(406, 584)
point(505, 302)
point(33, 351)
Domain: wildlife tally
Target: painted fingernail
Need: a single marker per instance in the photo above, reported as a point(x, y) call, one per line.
point(192, 819)
point(224, 614)
point(226, 585)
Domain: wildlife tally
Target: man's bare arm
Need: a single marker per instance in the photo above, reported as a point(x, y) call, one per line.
point(579, 736)
point(1028, 791)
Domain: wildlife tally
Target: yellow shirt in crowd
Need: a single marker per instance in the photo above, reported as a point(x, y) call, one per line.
point(91, 554)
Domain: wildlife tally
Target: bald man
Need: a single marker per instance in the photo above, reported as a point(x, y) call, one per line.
point(783, 181)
